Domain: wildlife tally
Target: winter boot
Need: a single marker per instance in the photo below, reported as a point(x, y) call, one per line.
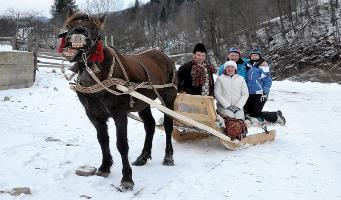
point(280, 118)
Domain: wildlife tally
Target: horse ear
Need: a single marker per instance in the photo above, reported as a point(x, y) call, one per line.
point(70, 12)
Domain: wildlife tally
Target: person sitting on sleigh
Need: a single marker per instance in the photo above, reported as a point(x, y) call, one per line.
point(259, 82)
point(196, 76)
point(231, 92)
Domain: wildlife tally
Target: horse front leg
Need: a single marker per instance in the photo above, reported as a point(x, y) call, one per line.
point(103, 138)
point(121, 121)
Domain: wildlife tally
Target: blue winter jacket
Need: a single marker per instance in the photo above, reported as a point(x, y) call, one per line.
point(259, 79)
point(241, 68)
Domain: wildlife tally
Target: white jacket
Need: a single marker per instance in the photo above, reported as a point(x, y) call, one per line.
point(231, 91)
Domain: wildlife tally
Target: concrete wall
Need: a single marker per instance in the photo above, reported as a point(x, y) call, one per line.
point(16, 69)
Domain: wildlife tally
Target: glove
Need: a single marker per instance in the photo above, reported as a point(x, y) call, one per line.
point(264, 97)
point(233, 109)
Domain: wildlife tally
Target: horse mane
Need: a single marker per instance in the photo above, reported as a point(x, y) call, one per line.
point(85, 17)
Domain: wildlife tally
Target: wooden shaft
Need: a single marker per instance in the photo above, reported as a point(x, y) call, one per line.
point(174, 114)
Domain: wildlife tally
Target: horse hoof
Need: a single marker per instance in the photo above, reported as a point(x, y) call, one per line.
point(142, 159)
point(168, 162)
point(127, 186)
point(139, 162)
point(103, 174)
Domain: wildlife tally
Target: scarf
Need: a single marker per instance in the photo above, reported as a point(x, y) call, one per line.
point(199, 72)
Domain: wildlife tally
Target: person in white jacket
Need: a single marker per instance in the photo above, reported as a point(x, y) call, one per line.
point(231, 92)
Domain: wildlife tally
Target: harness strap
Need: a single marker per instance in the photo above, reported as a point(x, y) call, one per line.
point(115, 56)
point(149, 80)
point(112, 67)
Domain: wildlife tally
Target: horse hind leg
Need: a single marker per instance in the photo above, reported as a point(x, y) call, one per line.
point(149, 127)
point(103, 138)
point(169, 99)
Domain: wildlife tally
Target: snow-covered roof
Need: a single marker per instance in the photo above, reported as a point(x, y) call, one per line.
point(5, 47)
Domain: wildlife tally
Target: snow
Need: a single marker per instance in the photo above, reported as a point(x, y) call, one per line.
point(46, 137)
point(53, 60)
point(5, 47)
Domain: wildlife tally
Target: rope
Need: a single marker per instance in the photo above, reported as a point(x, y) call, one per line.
point(62, 69)
point(112, 67)
point(115, 56)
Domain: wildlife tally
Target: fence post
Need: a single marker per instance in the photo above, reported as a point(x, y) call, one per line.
point(35, 57)
point(14, 43)
point(105, 40)
point(29, 43)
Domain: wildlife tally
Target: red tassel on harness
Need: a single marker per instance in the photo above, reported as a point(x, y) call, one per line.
point(98, 55)
point(61, 45)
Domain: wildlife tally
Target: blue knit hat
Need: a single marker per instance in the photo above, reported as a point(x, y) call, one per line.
point(256, 50)
point(234, 49)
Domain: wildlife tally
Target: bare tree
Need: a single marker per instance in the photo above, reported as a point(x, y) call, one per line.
point(24, 24)
point(7, 25)
point(280, 11)
point(209, 13)
point(334, 21)
point(102, 6)
point(291, 11)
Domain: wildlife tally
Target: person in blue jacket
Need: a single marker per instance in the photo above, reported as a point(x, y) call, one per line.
point(235, 55)
point(259, 82)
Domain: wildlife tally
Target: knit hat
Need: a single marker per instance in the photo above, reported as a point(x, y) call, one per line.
point(199, 47)
point(256, 50)
point(234, 49)
point(230, 63)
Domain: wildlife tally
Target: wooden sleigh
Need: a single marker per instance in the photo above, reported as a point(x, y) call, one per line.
point(202, 109)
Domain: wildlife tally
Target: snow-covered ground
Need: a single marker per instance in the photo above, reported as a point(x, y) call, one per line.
point(45, 136)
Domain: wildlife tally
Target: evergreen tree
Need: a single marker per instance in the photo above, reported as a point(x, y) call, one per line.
point(59, 10)
point(137, 4)
point(154, 1)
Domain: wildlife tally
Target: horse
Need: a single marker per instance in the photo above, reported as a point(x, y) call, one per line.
point(81, 43)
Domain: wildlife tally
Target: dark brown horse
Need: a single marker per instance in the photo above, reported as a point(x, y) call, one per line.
point(81, 43)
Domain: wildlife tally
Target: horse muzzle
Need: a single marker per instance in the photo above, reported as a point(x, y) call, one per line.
point(75, 44)
point(78, 41)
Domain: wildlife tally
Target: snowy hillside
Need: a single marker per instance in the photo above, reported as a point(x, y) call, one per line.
point(311, 53)
point(45, 136)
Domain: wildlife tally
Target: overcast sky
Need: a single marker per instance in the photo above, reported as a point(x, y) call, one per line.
point(43, 6)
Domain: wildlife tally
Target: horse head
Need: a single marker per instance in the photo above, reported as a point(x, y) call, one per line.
point(81, 40)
